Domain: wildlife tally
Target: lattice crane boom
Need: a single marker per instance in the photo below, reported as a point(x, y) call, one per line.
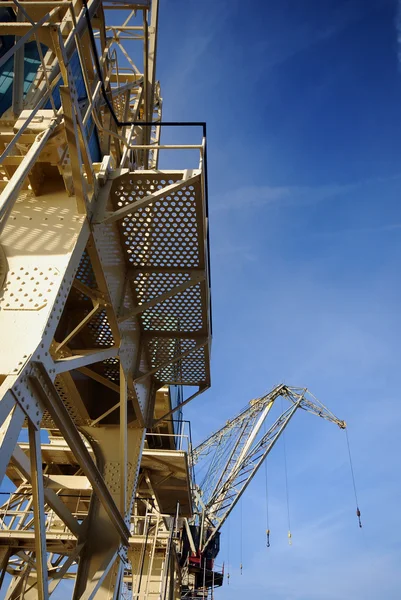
point(238, 450)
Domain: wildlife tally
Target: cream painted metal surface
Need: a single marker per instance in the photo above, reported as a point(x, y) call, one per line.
point(104, 300)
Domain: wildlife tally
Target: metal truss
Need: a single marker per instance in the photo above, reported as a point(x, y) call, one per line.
point(104, 299)
point(231, 456)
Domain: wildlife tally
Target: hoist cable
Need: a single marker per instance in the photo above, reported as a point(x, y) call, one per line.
point(228, 552)
point(358, 512)
point(241, 534)
point(267, 500)
point(286, 484)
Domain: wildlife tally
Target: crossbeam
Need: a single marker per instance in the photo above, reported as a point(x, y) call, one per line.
point(193, 280)
point(133, 207)
point(62, 419)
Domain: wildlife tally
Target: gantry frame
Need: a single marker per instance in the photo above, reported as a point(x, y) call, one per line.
point(104, 285)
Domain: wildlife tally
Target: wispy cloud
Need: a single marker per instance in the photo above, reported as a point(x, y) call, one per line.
point(227, 250)
point(255, 196)
point(358, 230)
point(303, 34)
point(199, 28)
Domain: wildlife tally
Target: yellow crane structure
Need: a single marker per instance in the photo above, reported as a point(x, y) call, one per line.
point(104, 301)
point(105, 319)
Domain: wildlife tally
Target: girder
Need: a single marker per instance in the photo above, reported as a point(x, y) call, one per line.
point(235, 452)
point(104, 301)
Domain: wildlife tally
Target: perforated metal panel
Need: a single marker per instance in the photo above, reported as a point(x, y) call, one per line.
point(101, 331)
point(182, 312)
point(167, 233)
point(164, 244)
point(110, 369)
point(27, 289)
point(68, 400)
point(85, 272)
point(192, 369)
point(97, 332)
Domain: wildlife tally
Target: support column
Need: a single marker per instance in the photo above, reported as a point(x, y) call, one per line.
point(9, 433)
point(38, 511)
point(101, 539)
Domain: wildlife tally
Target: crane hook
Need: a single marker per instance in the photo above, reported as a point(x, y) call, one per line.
point(268, 538)
point(358, 514)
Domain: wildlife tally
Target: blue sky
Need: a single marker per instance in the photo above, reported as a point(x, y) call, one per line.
point(303, 105)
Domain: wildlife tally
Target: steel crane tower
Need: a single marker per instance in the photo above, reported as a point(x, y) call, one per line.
point(104, 302)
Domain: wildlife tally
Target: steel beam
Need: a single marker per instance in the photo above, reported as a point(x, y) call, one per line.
point(10, 193)
point(193, 280)
point(9, 433)
point(171, 361)
point(38, 511)
point(21, 461)
point(82, 358)
point(18, 82)
point(62, 419)
point(123, 441)
point(144, 202)
point(100, 575)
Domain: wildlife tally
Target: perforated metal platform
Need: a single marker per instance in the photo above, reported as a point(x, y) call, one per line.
point(165, 247)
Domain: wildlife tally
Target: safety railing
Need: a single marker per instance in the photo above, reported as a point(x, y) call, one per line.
point(180, 441)
point(133, 132)
point(16, 514)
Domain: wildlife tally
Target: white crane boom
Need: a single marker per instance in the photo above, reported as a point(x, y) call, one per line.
point(235, 452)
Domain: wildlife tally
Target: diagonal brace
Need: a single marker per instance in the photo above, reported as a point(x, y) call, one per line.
point(171, 361)
point(20, 459)
point(65, 424)
point(144, 202)
point(193, 280)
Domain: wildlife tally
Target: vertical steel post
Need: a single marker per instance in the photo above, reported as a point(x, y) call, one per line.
point(9, 433)
point(123, 441)
point(38, 511)
point(18, 80)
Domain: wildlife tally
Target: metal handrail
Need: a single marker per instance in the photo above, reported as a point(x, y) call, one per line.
point(174, 436)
